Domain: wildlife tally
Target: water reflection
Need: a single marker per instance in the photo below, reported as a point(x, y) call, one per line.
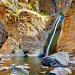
point(34, 63)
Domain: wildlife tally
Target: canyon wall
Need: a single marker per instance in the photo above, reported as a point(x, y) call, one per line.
point(28, 31)
point(28, 28)
point(66, 40)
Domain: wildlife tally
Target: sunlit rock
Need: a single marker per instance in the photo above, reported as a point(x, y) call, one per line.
point(60, 71)
point(60, 59)
point(66, 41)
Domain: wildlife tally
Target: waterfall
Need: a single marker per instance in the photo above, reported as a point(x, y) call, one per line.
point(58, 20)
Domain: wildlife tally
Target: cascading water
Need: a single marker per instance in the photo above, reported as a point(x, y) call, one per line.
point(58, 20)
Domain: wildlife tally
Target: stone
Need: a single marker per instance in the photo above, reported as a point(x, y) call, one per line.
point(72, 62)
point(60, 71)
point(6, 68)
point(44, 72)
point(23, 67)
point(44, 67)
point(60, 59)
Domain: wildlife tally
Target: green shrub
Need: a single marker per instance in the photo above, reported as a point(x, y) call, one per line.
point(62, 12)
point(42, 14)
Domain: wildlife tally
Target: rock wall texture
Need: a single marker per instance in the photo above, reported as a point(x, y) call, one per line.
point(29, 30)
point(66, 40)
point(3, 34)
point(46, 6)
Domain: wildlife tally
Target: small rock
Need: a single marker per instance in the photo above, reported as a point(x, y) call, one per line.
point(44, 67)
point(22, 67)
point(72, 62)
point(44, 72)
point(26, 64)
point(4, 68)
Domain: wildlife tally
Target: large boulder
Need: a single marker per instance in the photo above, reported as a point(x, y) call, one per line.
point(60, 59)
point(29, 29)
point(60, 71)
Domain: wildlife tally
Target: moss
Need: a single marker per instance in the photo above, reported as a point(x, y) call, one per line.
point(62, 12)
point(18, 49)
point(29, 6)
point(53, 15)
point(16, 13)
point(41, 14)
point(69, 74)
point(7, 3)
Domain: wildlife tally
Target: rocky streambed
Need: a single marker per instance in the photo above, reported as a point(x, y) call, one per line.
point(33, 63)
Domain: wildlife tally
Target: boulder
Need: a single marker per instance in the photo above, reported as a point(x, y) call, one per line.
point(60, 71)
point(60, 59)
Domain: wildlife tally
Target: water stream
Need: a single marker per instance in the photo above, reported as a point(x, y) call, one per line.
point(58, 20)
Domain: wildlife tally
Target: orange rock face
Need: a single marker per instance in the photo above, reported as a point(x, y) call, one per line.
point(66, 40)
point(28, 30)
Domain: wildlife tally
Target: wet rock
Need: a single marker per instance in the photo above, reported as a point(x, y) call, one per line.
point(19, 70)
point(26, 64)
point(60, 71)
point(4, 68)
point(56, 60)
point(44, 67)
point(72, 62)
point(44, 72)
point(23, 67)
point(4, 59)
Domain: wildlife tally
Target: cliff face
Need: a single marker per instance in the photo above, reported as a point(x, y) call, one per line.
point(29, 30)
point(66, 40)
point(3, 34)
point(46, 6)
point(29, 22)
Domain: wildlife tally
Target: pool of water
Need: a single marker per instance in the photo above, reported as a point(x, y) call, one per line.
point(34, 64)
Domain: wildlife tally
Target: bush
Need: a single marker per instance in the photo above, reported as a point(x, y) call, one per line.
point(62, 12)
